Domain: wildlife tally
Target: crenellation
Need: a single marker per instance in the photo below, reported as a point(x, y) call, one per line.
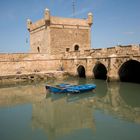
point(68, 21)
point(37, 25)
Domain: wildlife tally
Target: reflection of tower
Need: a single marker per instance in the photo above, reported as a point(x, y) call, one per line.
point(59, 118)
point(114, 95)
point(113, 100)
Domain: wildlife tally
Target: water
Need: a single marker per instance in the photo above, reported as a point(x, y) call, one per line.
point(111, 112)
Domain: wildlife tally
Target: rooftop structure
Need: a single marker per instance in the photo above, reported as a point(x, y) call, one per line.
point(56, 35)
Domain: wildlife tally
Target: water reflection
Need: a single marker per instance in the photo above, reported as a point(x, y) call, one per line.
point(118, 101)
point(21, 94)
point(61, 115)
point(130, 93)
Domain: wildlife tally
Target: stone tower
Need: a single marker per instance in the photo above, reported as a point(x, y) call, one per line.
point(56, 35)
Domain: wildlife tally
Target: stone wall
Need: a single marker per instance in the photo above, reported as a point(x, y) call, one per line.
point(27, 63)
point(106, 52)
point(112, 58)
point(34, 63)
point(36, 41)
point(67, 39)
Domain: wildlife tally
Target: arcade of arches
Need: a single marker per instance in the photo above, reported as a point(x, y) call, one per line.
point(128, 72)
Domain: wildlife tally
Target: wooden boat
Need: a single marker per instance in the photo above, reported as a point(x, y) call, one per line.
point(66, 88)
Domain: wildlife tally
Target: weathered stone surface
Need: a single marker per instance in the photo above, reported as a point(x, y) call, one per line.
point(32, 77)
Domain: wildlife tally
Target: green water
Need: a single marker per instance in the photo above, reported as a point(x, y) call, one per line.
point(111, 112)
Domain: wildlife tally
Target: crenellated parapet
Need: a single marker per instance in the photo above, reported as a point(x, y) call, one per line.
point(38, 24)
point(129, 50)
point(60, 22)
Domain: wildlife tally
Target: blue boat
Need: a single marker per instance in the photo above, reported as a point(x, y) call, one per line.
point(67, 88)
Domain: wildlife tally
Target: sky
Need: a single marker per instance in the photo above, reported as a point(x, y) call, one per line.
point(116, 22)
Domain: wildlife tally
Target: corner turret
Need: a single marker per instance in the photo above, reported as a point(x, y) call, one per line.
point(29, 22)
point(47, 15)
point(90, 18)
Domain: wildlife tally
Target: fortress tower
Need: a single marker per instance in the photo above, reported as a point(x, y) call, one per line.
point(56, 35)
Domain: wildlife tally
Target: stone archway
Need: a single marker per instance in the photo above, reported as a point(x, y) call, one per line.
point(130, 71)
point(81, 71)
point(100, 71)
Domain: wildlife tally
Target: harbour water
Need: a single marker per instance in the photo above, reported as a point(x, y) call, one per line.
point(111, 112)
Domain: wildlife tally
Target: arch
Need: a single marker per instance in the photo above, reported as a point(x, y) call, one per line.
point(81, 71)
point(76, 47)
point(100, 71)
point(130, 71)
point(38, 49)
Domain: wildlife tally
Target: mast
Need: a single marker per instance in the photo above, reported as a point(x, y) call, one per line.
point(73, 7)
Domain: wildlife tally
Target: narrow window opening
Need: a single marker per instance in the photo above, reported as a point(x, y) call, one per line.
point(76, 48)
point(38, 49)
point(67, 49)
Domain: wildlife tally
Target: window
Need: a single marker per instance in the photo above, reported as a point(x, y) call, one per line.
point(76, 48)
point(67, 49)
point(38, 49)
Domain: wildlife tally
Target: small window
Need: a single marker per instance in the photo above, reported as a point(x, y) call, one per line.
point(38, 49)
point(76, 48)
point(67, 49)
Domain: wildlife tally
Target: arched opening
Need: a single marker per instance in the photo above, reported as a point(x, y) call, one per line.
point(100, 71)
point(81, 71)
point(38, 49)
point(130, 71)
point(76, 48)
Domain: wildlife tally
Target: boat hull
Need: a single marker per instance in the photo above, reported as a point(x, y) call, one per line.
point(65, 88)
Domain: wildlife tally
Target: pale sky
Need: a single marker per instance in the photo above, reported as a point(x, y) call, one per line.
point(116, 22)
